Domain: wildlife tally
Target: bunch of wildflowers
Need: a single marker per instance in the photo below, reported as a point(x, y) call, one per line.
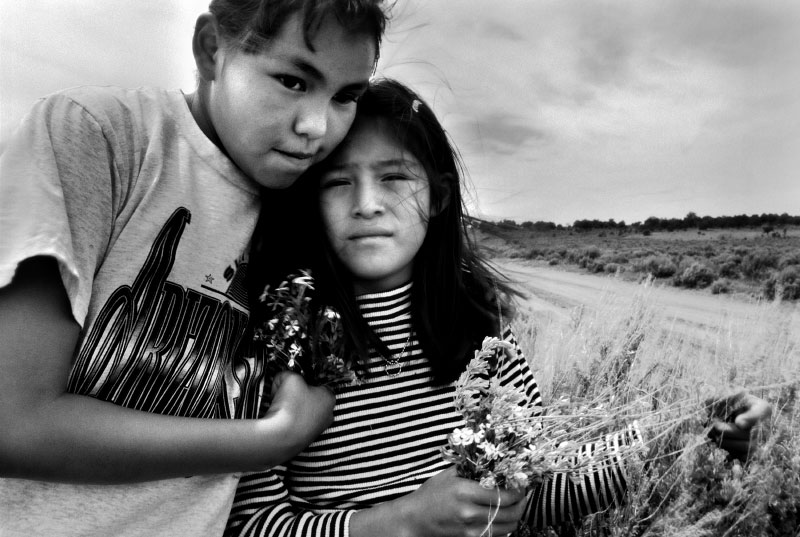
point(299, 337)
point(502, 443)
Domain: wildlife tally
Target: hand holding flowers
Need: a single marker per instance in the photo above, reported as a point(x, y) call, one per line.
point(300, 337)
point(508, 443)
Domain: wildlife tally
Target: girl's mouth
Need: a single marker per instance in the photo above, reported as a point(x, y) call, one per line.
point(296, 155)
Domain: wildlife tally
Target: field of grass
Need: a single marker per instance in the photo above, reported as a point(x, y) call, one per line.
point(745, 262)
point(624, 358)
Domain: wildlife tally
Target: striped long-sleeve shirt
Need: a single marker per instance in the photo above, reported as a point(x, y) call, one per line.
point(385, 441)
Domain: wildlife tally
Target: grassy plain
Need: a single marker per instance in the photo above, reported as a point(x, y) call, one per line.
point(623, 357)
point(745, 261)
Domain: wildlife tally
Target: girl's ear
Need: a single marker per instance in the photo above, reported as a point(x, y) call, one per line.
point(446, 183)
point(205, 43)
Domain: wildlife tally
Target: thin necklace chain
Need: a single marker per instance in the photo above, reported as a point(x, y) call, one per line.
point(394, 361)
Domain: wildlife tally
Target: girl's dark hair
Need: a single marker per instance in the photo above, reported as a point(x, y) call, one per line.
point(457, 297)
point(251, 23)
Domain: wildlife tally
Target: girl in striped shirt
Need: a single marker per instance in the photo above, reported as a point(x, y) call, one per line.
point(382, 226)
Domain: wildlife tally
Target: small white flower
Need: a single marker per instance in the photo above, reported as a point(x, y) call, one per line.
point(492, 452)
point(488, 481)
point(305, 280)
point(520, 479)
point(463, 437)
point(292, 327)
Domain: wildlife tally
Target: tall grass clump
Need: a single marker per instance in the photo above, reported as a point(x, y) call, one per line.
point(673, 379)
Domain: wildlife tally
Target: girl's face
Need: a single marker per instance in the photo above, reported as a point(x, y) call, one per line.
point(375, 204)
point(280, 110)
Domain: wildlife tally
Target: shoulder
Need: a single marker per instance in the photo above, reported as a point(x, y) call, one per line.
point(128, 119)
point(115, 106)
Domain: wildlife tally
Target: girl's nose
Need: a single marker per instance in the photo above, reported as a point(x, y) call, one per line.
point(369, 200)
point(312, 120)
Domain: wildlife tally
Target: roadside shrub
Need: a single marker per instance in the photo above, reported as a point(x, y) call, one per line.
point(696, 275)
point(758, 262)
point(784, 284)
point(590, 264)
point(728, 266)
point(613, 268)
point(535, 253)
point(615, 257)
point(592, 252)
point(789, 259)
point(659, 266)
point(729, 270)
point(573, 256)
point(720, 286)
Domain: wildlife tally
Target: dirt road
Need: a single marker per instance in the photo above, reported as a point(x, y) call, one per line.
point(559, 292)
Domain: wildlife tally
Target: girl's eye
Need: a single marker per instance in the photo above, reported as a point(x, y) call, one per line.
point(396, 177)
point(332, 183)
point(292, 82)
point(347, 97)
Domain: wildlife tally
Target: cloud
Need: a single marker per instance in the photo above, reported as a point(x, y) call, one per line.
point(493, 29)
point(501, 133)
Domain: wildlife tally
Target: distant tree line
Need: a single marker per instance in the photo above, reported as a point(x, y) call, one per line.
point(768, 222)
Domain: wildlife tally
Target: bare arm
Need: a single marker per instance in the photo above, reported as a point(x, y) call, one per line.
point(50, 434)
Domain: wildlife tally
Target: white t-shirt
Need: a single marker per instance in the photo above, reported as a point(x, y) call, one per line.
point(150, 223)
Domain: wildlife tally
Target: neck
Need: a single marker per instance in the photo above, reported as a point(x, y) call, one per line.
point(196, 101)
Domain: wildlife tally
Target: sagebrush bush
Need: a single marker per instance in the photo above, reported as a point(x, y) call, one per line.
point(758, 262)
point(592, 252)
point(789, 259)
point(729, 269)
point(784, 284)
point(720, 286)
point(659, 266)
point(695, 276)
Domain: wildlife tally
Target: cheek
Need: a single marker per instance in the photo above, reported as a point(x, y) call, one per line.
point(331, 221)
point(339, 123)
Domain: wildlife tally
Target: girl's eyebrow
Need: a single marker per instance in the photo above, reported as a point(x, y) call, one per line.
point(378, 165)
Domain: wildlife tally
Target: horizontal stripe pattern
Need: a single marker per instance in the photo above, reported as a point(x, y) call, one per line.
point(384, 442)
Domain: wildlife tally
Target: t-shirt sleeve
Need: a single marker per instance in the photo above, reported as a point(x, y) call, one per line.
point(57, 177)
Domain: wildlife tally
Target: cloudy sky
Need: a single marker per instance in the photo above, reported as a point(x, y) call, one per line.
point(562, 109)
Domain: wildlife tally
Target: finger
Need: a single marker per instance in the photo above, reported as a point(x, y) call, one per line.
point(724, 407)
point(721, 429)
point(497, 497)
point(759, 410)
point(502, 529)
point(499, 523)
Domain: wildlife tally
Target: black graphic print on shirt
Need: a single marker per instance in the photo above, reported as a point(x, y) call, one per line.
point(158, 346)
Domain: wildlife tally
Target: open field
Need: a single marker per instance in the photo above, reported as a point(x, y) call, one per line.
point(602, 342)
point(555, 292)
point(742, 262)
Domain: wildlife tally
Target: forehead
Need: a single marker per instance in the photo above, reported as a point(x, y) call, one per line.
point(329, 49)
point(370, 142)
